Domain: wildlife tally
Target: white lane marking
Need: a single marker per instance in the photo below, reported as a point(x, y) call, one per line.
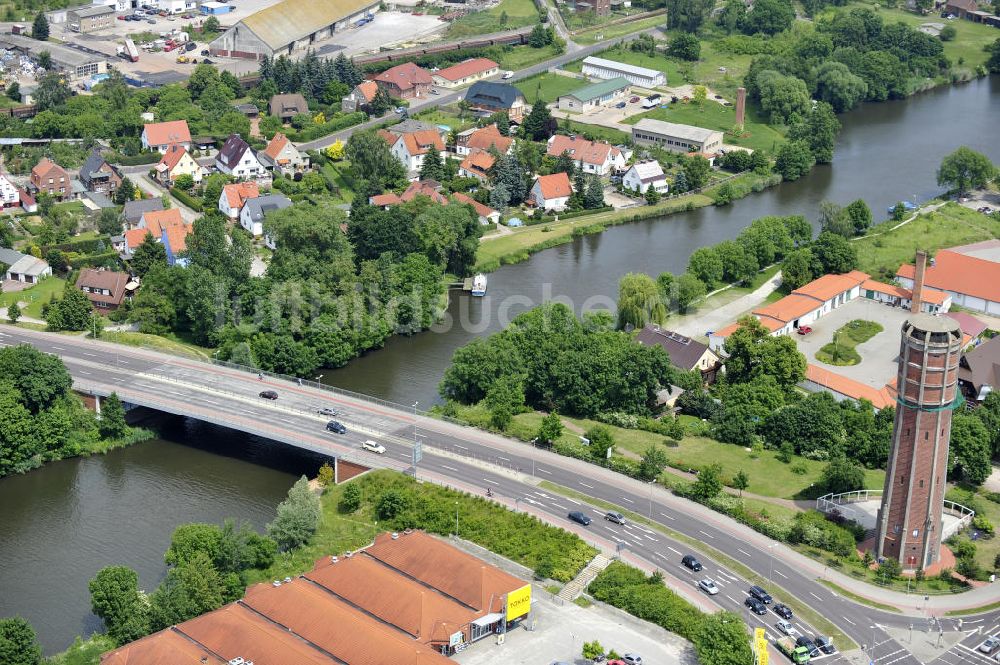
point(667, 516)
point(849, 621)
point(90, 355)
point(586, 485)
point(462, 447)
point(82, 371)
point(815, 596)
point(780, 574)
point(673, 550)
point(491, 482)
point(577, 503)
point(729, 597)
point(545, 472)
point(559, 507)
point(503, 458)
point(58, 348)
point(649, 537)
point(450, 468)
point(743, 552)
point(617, 539)
point(707, 534)
point(625, 498)
point(661, 556)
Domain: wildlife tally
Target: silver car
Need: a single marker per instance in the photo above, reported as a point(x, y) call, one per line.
point(708, 586)
point(787, 628)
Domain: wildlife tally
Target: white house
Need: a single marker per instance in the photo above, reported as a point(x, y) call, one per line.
point(593, 157)
point(119, 5)
point(234, 196)
point(176, 6)
point(644, 175)
point(551, 192)
point(252, 215)
point(412, 147)
point(24, 267)
point(969, 274)
point(237, 159)
point(161, 135)
point(9, 193)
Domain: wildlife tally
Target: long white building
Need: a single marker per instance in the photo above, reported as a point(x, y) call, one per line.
point(609, 69)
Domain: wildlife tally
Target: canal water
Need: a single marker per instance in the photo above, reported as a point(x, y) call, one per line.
point(59, 525)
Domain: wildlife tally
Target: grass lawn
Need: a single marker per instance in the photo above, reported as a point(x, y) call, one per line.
point(594, 132)
point(520, 57)
point(444, 116)
point(548, 87)
point(841, 350)
point(519, 14)
point(590, 35)
point(168, 344)
point(882, 251)
point(36, 296)
point(757, 135)
point(333, 173)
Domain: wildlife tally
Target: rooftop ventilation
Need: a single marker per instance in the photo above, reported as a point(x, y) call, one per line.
point(395, 536)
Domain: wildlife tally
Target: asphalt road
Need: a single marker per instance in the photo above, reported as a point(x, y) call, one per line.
point(473, 460)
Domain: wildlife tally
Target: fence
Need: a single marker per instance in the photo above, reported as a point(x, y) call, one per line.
point(829, 503)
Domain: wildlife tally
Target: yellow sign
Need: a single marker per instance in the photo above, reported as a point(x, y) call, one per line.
point(518, 602)
point(760, 646)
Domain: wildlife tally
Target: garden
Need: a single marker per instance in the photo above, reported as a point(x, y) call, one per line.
point(841, 351)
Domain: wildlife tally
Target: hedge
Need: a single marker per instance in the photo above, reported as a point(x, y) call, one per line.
point(186, 199)
point(88, 246)
point(94, 260)
point(629, 589)
point(436, 59)
point(335, 124)
point(136, 160)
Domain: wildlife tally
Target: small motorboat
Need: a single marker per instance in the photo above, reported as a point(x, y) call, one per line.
point(479, 285)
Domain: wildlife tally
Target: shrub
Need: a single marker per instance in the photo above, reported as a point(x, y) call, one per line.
point(185, 198)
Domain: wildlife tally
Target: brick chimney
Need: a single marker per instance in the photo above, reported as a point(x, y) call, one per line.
point(741, 105)
point(918, 281)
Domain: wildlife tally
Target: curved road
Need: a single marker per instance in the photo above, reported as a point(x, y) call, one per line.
point(472, 460)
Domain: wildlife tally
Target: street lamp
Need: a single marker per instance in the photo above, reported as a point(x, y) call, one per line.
point(416, 451)
point(871, 652)
point(651, 483)
point(456, 519)
point(770, 562)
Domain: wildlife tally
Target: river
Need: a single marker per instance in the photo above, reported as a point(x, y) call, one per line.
point(64, 522)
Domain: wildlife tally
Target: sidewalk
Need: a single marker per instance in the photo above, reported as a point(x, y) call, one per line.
point(695, 325)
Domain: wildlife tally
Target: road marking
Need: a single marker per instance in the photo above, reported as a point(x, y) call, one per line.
point(743, 552)
point(577, 503)
point(82, 371)
point(58, 348)
point(545, 472)
point(815, 596)
point(625, 498)
point(491, 482)
point(667, 516)
point(781, 574)
point(90, 355)
point(849, 621)
point(673, 550)
point(707, 534)
point(462, 447)
point(649, 537)
point(730, 597)
point(503, 458)
point(586, 485)
point(660, 555)
point(450, 468)
point(613, 537)
point(559, 507)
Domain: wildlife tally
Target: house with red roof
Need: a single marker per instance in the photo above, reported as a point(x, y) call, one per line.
point(385, 201)
point(282, 157)
point(970, 274)
point(177, 161)
point(166, 227)
point(234, 196)
point(486, 214)
point(405, 81)
point(50, 178)
point(359, 98)
point(483, 139)
point(465, 72)
point(161, 135)
point(429, 188)
point(551, 192)
point(411, 148)
point(477, 166)
point(595, 157)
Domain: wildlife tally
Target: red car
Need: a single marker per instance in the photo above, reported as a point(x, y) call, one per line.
point(804, 330)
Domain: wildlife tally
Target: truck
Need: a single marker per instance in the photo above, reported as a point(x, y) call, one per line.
point(651, 101)
point(798, 655)
point(128, 51)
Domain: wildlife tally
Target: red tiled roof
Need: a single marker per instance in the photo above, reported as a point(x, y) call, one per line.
point(830, 286)
point(167, 647)
point(480, 162)
point(237, 193)
point(959, 273)
point(481, 210)
point(112, 280)
point(367, 89)
point(426, 188)
point(580, 149)
point(172, 156)
point(386, 199)
point(555, 185)
point(388, 137)
point(405, 76)
point(159, 219)
point(489, 136)
point(929, 295)
point(420, 142)
point(174, 131)
point(46, 166)
point(276, 145)
point(466, 68)
point(880, 398)
point(789, 308)
point(970, 325)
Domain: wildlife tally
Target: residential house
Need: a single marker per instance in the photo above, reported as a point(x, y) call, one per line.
point(477, 165)
point(23, 267)
point(685, 353)
point(359, 98)
point(971, 274)
point(428, 188)
point(282, 157)
point(405, 81)
point(10, 194)
point(167, 228)
point(962, 8)
point(99, 176)
point(28, 203)
point(50, 178)
point(486, 214)
point(177, 161)
point(551, 192)
point(411, 148)
point(385, 201)
point(134, 210)
point(972, 328)
point(488, 97)
point(106, 289)
point(979, 371)
point(90, 18)
point(595, 95)
point(644, 175)
point(161, 135)
point(288, 106)
point(237, 159)
point(249, 110)
point(234, 196)
point(467, 71)
point(594, 157)
point(483, 139)
point(932, 301)
point(252, 214)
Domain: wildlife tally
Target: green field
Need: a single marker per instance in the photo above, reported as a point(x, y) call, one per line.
point(519, 14)
point(882, 251)
point(520, 57)
point(36, 296)
point(548, 87)
point(590, 35)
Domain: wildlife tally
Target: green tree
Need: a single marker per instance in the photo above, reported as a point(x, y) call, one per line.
point(685, 46)
point(373, 163)
point(639, 301)
point(189, 590)
point(52, 91)
point(993, 63)
point(592, 650)
point(539, 36)
point(13, 312)
point(40, 379)
point(721, 639)
point(112, 424)
point(391, 504)
point(601, 441)
point(696, 170)
point(687, 15)
point(350, 500)
point(860, 215)
point(784, 98)
point(819, 130)
point(147, 255)
point(210, 26)
point(689, 288)
point(297, 518)
point(965, 169)
point(432, 168)
point(836, 85)
point(652, 462)
point(753, 352)
point(18, 643)
point(73, 312)
point(550, 430)
point(768, 17)
point(126, 192)
point(538, 125)
point(834, 253)
point(116, 599)
point(40, 27)
point(109, 223)
point(888, 570)
point(191, 539)
point(970, 451)
point(842, 475)
point(706, 264)
point(593, 198)
point(709, 482)
point(796, 269)
point(794, 160)
point(504, 398)
point(310, 245)
point(741, 481)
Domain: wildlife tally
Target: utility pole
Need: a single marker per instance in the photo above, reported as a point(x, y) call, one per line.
point(417, 452)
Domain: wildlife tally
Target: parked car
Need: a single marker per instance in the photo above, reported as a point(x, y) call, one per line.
point(991, 644)
point(151, 21)
point(691, 562)
point(373, 447)
point(327, 411)
point(617, 518)
point(761, 595)
point(825, 644)
point(708, 586)
point(208, 62)
point(122, 17)
point(204, 51)
point(268, 394)
point(336, 427)
point(620, 105)
point(634, 100)
point(190, 46)
point(579, 518)
point(507, 75)
point(755, 605)
point(632, 659)
point(786, 627)
point(806, 641)
point(804, 330)
point(783, 611)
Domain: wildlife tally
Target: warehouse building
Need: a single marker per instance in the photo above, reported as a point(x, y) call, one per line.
point(289, 26)
point(76, 64)
point(594, 95)
point(90, 18)
point(609, 69)
point(675, 137)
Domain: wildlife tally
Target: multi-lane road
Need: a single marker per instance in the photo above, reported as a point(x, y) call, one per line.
point(474, 460)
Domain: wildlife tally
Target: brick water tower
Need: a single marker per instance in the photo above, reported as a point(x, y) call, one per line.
point(909, 520)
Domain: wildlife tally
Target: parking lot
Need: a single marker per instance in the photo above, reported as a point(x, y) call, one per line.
point(878, 354)
point(560, 631)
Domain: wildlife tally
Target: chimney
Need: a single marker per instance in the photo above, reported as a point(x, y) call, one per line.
point(741, 105)
point(918, 281)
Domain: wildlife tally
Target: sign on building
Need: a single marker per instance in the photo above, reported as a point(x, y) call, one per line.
point(760, 646)
point(518, 602)
point(455, 639)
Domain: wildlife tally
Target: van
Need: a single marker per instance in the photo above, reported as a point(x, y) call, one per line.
point(507, 76)
point(373, 447)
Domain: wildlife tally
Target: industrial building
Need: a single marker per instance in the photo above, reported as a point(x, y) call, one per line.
point(609, 69)
point(289, 26)
point(675, 137)
point(594, 95)
point(90, 18)
point(77, 64)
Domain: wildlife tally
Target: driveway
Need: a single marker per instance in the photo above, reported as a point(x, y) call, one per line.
point(143, 182)
point(695, 325)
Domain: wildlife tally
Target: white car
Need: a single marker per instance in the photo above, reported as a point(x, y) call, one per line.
point(373, 447)
point(507, 75)
point(708, 586)
point(787, 628)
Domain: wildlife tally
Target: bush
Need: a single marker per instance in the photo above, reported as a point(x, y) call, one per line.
point(629, 589)
point(185, 198)
point(812, 528)
point(350, 500)
point(136, 160)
